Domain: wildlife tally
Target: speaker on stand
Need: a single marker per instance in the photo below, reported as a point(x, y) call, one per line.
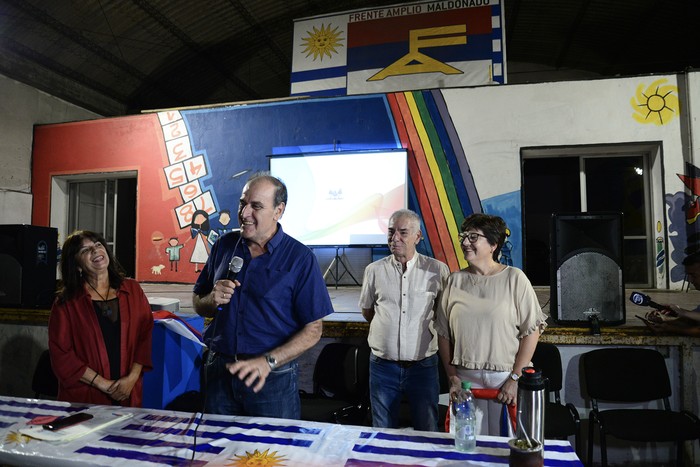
point(27, 266)
point(587, 286)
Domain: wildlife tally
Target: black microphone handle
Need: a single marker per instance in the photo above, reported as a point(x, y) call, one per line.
point(231, 276)
point(656, 305)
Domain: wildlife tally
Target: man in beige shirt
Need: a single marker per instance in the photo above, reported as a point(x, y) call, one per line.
point(399, 296)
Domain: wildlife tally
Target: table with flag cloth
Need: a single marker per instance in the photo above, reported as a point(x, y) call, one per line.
point(160, 437)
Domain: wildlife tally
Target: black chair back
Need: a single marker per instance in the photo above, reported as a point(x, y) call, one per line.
point(548, 359)
point(44, 382)
point(341, 371)
point(626, 375)
point(340, 385)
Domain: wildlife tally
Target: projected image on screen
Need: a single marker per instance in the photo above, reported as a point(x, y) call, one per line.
point(342, 198)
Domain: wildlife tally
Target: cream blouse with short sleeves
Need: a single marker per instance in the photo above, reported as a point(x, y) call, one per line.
point(485, 316)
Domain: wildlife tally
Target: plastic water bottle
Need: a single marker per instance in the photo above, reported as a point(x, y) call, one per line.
point(465, 419)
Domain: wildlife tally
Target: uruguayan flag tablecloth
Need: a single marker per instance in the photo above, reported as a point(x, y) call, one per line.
point(158, 437)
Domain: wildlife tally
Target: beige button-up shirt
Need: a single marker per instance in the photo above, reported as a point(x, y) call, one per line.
point(404, 304)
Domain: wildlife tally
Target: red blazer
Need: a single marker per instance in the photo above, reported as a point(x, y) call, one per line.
point(75, 343)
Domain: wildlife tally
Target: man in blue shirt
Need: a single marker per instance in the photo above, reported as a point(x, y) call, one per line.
point(266, 315)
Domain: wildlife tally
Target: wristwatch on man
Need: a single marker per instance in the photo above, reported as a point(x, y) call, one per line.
point(514, 376)
point(272, 361)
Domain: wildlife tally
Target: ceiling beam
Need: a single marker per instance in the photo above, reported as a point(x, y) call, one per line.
point(75, 36)
point(155, 13)
point(28, 69)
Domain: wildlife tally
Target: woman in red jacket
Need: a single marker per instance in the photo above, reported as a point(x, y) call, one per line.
point(100, 327)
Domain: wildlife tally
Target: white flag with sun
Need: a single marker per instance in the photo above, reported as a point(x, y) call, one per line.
point(320, 56)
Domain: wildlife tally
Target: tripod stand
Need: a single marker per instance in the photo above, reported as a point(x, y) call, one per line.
point(338, 262)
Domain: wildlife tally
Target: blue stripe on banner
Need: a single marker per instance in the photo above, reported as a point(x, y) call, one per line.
point(446, 454)
point(248, 426)
point(479, 47)
point(561, 449)
point(364, 463)
point(167, 419)
point(258, 439)
point(496, 11)
point(221, 435)
point(325, 92)
point(266, 426)
point(562, 463)
point(158, 429)
point(140, 456)
point(424, 453)
point(494, 444)
point(25, 415)
point(323, 73)
point(43, 406)
point(406, 438)
point(128, 440)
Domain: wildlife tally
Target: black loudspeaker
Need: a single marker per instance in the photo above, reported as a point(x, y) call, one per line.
point(27, 266)
point(587, 286)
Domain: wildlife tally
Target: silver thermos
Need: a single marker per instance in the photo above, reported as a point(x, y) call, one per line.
point(530, 423)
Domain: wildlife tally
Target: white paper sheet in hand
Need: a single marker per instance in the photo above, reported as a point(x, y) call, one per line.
point(100, 420)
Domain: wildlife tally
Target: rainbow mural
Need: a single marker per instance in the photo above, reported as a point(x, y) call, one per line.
point(442, 189)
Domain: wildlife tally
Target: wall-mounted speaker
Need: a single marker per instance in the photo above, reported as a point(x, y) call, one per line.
point(586, 260)
point(27, 266)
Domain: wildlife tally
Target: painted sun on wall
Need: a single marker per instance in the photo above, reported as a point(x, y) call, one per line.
point(656, 103)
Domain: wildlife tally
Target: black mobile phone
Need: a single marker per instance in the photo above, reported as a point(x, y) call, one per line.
point(70, 420)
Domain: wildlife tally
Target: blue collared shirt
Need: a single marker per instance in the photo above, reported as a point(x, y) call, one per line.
point(281, 291)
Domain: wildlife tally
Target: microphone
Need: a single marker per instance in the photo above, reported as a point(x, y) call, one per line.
point(640, 299)
point(234, 267)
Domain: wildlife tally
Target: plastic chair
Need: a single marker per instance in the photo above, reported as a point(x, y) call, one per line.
point(341, 386)
point(44, 381)
point(560, 420)
point(633, 376)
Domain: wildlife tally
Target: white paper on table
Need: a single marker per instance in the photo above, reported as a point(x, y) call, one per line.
point(99, 421)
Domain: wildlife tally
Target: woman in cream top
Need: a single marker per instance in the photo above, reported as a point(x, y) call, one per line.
point(488, 321)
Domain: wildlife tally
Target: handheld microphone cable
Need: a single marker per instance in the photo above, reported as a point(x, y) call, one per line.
point(234, 267)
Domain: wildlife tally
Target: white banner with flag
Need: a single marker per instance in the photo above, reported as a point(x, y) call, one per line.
point(319, 57)
point(420, 45)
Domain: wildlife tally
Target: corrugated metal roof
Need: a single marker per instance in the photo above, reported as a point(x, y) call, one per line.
point(118, 57)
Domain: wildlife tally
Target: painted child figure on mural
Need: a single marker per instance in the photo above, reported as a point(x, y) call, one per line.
point(173, 252)
point(506, 250)
point(200, 232)
point(224, 220)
